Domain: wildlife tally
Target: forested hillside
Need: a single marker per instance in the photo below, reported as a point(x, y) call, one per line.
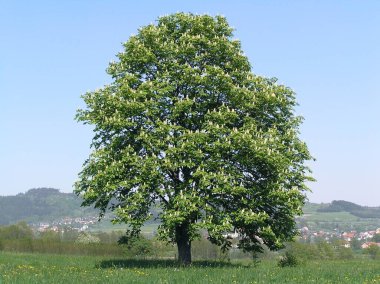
point(354, 209)
point(40, 204)
point(49, 204)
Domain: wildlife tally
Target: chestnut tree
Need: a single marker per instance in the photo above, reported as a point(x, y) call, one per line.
point(185, 125)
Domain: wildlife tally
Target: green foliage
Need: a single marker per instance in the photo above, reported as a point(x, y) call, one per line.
point(304, 251)
point(186, 123)
point(51, 236)
point(373, 251)
point(319, 251)
point(137, 246)
point(20, 238)
point(344, 253)
point(17, 231)
point(326, 250)
point(109, 238)
point(376, 238)
point(62, 248)
point(86, 238)
point(288, 260)
point(355, 244)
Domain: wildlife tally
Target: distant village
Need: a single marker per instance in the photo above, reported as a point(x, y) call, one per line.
point(365, 238)
point(78, 224)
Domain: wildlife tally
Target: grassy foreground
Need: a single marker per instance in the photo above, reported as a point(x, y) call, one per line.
point(41, 268)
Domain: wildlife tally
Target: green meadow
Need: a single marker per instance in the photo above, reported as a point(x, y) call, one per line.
point(45, 268)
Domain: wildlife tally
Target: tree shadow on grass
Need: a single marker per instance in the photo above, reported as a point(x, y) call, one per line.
point(160, 263)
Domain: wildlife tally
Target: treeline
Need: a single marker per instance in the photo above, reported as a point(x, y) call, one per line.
point(354, 209)
point(320, 250)
point(21, 238)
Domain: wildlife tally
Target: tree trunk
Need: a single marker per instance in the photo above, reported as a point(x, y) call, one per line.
point(183, 244)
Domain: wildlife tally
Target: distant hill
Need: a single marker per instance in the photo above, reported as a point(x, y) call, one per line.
point(39, 205)
point(49, 204)
point(339, 216)
point(354, 209)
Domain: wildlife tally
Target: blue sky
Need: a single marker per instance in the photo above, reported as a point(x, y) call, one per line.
point(51, 52)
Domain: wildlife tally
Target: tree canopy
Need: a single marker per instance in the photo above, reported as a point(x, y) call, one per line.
point(187, 126)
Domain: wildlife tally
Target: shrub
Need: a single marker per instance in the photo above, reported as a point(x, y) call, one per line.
point(86, 238)
point(326, 250)
point(344, 253)
point(137, 246)
point(20, 230)
point(373, 251)
point(304, 251)
point(320, 251)
point(288, 260)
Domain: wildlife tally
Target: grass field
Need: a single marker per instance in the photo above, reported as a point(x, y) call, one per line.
point(40, 268)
